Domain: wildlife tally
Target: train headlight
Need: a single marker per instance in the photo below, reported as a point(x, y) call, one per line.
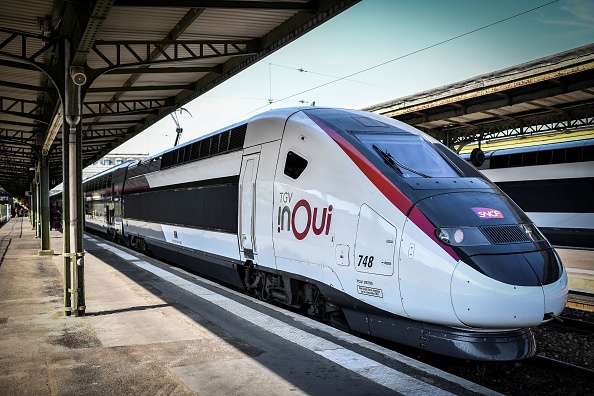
point(443, 235)
point(461, 236)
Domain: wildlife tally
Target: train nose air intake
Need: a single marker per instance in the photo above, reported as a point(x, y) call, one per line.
point(505, 234)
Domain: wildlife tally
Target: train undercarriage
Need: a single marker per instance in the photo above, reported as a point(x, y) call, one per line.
point(300, 295)
point(332, 307)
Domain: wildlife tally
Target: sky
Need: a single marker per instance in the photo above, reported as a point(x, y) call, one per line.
point(392, 49)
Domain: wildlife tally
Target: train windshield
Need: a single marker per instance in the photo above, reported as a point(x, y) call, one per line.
point(409, 155)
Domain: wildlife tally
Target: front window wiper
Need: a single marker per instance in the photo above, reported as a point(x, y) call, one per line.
point(388, 159)
point(395, 164)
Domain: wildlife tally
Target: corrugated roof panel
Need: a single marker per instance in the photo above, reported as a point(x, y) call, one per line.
point(22, 15)
point(140, 23)
point(110, 80)
point(143, 95)
point(107, 22)
point(168, 79)
point(26, 78)
point(226, 24)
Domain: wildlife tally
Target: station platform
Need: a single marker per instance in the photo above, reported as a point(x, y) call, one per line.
point(580, 268)
point(151, 329)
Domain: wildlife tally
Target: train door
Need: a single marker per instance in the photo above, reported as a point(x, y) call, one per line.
point(375, 258)
point(247, 202)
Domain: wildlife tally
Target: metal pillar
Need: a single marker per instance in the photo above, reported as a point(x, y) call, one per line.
point(74, 291)
point(37, 205)
point(44, 204)
point(33, 208)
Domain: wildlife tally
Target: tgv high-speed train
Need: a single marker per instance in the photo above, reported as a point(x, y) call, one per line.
point(354, 217)
point(552, 183)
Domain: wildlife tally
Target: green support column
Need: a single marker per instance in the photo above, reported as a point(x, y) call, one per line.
point(66, 226)
point(45, 208)
point(74, 288)
point(33, 207)
point(37, 205)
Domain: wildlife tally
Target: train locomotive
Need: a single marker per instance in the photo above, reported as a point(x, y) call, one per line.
point(353, 217)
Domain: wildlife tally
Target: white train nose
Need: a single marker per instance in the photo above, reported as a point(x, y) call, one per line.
point(481, 301)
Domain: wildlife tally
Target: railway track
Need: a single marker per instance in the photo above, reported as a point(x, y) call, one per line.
point(572, 324)
point(580, 300)
point(560, 367)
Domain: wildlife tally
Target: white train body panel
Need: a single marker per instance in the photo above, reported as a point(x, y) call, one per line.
point(318, 203)
point(210, 168)
point(425, 276)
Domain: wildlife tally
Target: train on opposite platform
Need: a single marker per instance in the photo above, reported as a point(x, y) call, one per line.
point(553, 184)
point(5, 213)
point(352, 217)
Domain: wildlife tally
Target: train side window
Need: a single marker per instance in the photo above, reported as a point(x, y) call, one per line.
point(573, 154)
point(515, 160)
point(588, 153)
point(529, 158)
point(500, 161)
point(558, 156)
point(545, 157)
point(294, 165)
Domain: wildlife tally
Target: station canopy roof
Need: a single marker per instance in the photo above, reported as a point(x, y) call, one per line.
point(551, 94)
point(140, 60)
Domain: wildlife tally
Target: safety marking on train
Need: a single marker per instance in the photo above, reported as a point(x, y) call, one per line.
point(367, 368)
point(370, 291)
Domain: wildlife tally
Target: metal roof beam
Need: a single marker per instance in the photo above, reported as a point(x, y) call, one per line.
point(101, 133)
point(25, 41)
point(499, 116)
point(123, 113)
point(116, 107)
point(115, 122)
point(542, 106)
point(100, 11)
point(139, 88)
point(266, 5)
point(25, 87)
point(18, 123)
point(174, 34)
point(156, 52)
point(15, 134)
point(290, 30)
point(167, 70)
point(21, 114)
point(19, 107)
point(18, 65)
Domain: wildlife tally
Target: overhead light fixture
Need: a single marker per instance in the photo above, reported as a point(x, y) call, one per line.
point(55, 126)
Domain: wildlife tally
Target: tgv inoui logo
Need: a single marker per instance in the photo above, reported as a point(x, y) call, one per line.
point(316, 220)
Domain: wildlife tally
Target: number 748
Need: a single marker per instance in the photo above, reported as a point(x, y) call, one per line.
point(365, 261)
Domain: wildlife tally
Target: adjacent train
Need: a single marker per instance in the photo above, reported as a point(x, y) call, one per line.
point(5, 212)
point(553, 184)
point(350, 216)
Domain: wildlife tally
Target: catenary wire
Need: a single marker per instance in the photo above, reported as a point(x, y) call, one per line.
point(405, 55)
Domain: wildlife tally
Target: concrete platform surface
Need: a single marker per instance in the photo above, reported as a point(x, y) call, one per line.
point(150, 329)
point(580, 268)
